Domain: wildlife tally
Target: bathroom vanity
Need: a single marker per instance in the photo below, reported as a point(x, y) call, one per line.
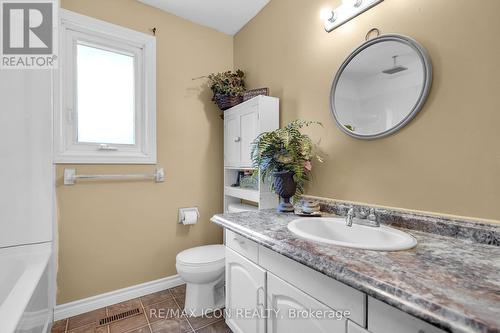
point(448, 283)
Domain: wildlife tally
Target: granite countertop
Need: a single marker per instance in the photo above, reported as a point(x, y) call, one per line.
point(450, 282)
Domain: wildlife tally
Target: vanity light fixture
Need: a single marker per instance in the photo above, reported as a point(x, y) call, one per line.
point(349, 9)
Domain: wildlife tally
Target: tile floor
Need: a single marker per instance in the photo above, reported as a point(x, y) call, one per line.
point(151, 321)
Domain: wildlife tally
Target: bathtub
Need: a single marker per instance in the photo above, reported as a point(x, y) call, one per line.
point(24, 288)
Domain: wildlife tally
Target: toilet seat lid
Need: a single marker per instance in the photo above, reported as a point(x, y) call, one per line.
point(201, 255)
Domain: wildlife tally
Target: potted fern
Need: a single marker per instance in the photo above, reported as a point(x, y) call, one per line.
point(227, 87)
point(284, 156)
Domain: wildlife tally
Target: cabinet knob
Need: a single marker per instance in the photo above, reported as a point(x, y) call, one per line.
point(237, 139)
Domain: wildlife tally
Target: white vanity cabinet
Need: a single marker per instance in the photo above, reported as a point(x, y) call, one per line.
point(383, 318)
point(243, 123)
point(245, 290)
point(258, 278)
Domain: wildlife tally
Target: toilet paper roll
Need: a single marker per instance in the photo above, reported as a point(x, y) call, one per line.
point(190, 217)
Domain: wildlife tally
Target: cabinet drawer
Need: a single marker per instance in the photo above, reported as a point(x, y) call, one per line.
point(328, 291)
point(383, 318)
point(242, 245)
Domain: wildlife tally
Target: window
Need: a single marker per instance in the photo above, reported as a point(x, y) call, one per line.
point(105, 106)
point(105, 93)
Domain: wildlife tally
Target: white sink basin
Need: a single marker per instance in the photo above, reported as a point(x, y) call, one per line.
point(333, 230)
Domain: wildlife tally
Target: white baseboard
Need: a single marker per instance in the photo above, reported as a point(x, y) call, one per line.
point(71, 309)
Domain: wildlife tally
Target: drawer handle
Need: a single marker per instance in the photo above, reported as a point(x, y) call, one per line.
point(259, 303)
point(237, 139)
point(239, 241)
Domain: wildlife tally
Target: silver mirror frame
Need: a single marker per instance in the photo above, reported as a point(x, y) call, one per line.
point(427, 65)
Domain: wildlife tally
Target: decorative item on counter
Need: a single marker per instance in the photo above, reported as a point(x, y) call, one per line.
point(249, 94)
point(284, 156)
point(308, 208)
point(300, 212)
point(227, 87)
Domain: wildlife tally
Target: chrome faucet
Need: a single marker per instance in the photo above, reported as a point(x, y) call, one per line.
point(362, 217)
point(373, 218)
point(349, 217)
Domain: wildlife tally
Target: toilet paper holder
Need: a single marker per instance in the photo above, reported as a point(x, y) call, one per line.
point(183, 211)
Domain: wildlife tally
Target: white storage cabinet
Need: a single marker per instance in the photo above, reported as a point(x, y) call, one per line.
point(242, 124)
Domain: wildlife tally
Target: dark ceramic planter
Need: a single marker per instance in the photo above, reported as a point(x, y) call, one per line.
point(285, 187)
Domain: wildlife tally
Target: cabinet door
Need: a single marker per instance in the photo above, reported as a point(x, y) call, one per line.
point(326, 290)
point(383, 318)
point(245, 294)
point(249, 129)
point(232, 140)
point(292, 311)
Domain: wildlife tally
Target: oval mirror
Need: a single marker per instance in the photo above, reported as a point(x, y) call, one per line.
point(381, 86)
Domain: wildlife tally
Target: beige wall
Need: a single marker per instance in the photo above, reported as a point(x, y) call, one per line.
point(446, 160)
point(113, 235)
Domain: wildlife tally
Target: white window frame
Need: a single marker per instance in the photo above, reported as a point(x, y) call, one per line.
point(75, 27)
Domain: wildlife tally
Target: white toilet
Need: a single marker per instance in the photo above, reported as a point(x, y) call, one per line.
point(202, 268)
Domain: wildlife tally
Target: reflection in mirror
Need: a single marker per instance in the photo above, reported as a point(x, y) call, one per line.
point(380, 87)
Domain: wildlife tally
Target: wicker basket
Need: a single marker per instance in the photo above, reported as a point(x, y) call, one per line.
point(225, 102)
